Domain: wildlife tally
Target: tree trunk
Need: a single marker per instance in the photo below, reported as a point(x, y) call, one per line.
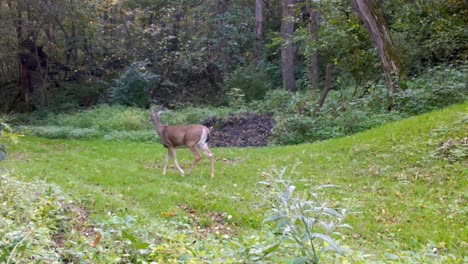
point(325, 90)
point(287, 48)
point(258, 29)
point(314, 64)
point(369, 13)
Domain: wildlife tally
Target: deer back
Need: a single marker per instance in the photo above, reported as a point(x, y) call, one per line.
point(180, 136)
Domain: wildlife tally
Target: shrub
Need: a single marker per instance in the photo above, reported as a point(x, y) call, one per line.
point(252, 81)
point(140, 136)
point(133, 86)
point(277, 100)
point(7, 135)
point(437, 88)
point(55, 132)
point(30, 216)
point(105, 118)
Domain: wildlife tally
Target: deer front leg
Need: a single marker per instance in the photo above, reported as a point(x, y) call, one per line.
point(197, 159)
point(172, 152)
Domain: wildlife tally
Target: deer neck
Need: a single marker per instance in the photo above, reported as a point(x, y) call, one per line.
point(157, 124)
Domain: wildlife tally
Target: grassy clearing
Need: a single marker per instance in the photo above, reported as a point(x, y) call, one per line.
point(406, 194)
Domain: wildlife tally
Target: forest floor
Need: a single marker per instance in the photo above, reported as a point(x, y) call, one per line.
point(241, 130)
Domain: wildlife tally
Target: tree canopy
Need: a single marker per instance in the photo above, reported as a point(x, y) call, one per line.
point(69, 53)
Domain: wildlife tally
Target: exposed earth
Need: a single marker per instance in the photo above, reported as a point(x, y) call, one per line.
point(241, 130)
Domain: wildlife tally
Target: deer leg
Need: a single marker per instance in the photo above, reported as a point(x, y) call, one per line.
point(197, 159)
point(172, 152)
point(166, 162)
point(209, 154)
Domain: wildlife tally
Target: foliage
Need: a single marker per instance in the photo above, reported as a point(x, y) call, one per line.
point(132, 88)
point(61, 132)
point(7, 135)
point(436, 88)
point(427, 33)
point(277, 100)
point(113, 122)
point(31, 215)
point(384, 174)
point(251, 80)
point(305, 219)
point(344, 113)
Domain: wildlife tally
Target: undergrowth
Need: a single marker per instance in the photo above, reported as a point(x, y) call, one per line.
point(345, 112)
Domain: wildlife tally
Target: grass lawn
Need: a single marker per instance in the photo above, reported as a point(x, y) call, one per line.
point(404, 193)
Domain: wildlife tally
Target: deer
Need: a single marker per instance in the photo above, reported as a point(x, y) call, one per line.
point(193, 137)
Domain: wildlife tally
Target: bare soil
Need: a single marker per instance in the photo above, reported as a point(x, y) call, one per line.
point(241, 130)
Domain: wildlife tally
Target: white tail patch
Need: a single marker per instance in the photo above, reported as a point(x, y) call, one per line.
point(202, 144)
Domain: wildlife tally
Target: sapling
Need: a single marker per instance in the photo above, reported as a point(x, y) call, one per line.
point(305, 220)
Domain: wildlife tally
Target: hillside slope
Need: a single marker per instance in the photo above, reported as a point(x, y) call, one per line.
point(405, 182)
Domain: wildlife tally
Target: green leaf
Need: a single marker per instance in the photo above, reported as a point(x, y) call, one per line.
point(271, 248)
point(300, 260)
point(273, 217)
point(138, 244)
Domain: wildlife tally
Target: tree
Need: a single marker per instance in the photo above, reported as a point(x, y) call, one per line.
point(287, 47)
point(258, 29)
point(369, 14)
point(314, 64)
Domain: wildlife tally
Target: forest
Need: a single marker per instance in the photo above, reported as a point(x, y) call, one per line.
point(338, 129)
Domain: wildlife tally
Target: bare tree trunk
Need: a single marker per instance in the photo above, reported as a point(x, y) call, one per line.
point(287, 48)
point(258, 29)
point(314, 64)
point(325, 90)
point(369, 13)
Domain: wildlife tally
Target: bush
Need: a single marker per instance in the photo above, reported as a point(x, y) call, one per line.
point(56, 132)
point(140, 136)
point(277, 100)
point(437, 88)
point(344, 114)
point(133, 86)
point(252, 81)
point(31, 215)
point(104, 118)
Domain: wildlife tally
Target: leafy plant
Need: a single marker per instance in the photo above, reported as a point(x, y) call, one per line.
point(305, 220)
point(250, 81)
point(7, 135)
point(133, 86)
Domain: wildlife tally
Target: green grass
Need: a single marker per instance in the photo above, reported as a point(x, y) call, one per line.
point(403, 196)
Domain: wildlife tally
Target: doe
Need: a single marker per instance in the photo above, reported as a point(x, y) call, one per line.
point(193, 137)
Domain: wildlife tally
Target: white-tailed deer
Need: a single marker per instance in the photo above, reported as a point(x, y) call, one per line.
point(193, 137)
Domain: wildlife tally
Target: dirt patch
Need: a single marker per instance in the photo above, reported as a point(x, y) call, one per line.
point(79, 222)
point(453, 150)
point(241, 130)
point(214, 223)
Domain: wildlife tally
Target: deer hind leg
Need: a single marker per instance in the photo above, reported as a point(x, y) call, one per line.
point(206, 150)
point(197, 157)
point(166, 161)
point(172, 153)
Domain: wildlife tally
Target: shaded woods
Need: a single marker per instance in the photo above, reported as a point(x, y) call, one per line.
point(61, 55)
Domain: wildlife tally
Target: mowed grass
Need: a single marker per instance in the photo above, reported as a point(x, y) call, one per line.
point(402, 194)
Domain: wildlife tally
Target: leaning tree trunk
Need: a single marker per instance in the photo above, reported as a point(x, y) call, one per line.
point(287, 48)
point(314, 64)
point(325, 90)
point(258, 29)
point(369, 13)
